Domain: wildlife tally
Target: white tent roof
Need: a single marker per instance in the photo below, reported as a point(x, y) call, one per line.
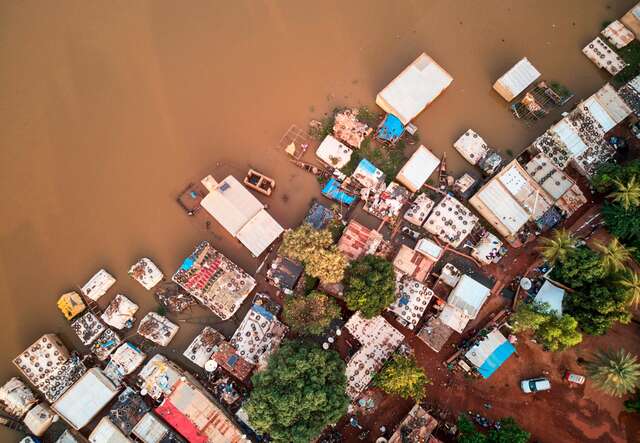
point(551, 294)
point(107, 432)
point(418, 169)
point(468, 296)
point(333, 153)
point(516, 79)
point(231, 204)
point(414, 88)
point(86, 398)
point(260, 232)
point(454, 318)
point(635, 83)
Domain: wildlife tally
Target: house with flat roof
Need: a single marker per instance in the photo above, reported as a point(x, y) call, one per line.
point(358, 240)
point(464, 303)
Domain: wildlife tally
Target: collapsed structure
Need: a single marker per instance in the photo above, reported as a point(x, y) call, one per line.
point(214, 280)
point(240, 213)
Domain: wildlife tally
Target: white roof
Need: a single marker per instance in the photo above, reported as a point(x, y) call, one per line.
point(231, 204)
point(150, 429)
point(483, 350)
point(119, 312)
point(146, 272)
point(334, 153)
point(635, 83)
point(127, 358)
point(516, 79)
point(454, 318)
point(429, 248)
point(569, 136)
point(259, 232)
point(107, 432)
point(86, 398)
point(39, 418)
point(618, 34)
point(504, 208)
point(611, 103)
point(488, 245)
point(414, 88)
point(418, 169)
point(551, 294)
point(468, 296)
point(471, 146)
point(98, 285)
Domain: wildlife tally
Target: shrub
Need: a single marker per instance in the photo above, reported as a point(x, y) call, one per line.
point(370, 285)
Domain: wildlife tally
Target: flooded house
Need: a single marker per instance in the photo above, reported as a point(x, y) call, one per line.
point(386, 203)
point(88, 328)
point(107, 431)
point(417, 170)
point(419, 210)
point(120, 313)
point(319, 216)
point(16, 397)
point(203, 346)
point(334, 153)
point(124, 361)
point(516, 80)
point(157, 328)
point(227, 357)
point(71, 305)
point(369, 176)
point(414, 89)
point(98, 285)
point(158, 376)
point(599, 52)
point(105, 344)
point(259, 335)
point(240, 213)
point(618, 34)
point(349, 129)
point(214, 280)
point(146, 272)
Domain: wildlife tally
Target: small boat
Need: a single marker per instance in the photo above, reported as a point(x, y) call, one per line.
point(313, 169)
point(259, 182)
point(442, 173)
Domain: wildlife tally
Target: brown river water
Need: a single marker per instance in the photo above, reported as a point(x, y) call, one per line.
point(109, 109)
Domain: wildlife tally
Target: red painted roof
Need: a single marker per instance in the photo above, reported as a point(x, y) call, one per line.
point(180, 423)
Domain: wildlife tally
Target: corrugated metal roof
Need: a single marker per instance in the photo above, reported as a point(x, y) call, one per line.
point(414, 88)
point(468, 296)
point(500, 203)
point(569, 136)
point(612, 103)
point(454, 318)
point(260, 232)
point(516, 79)
point(107, 432)
point(150, 429)
point(418, 169)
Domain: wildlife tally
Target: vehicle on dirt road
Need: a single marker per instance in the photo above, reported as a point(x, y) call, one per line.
point(574, 378)
point(535, 385)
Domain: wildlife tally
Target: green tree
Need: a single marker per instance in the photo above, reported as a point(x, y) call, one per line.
point(310, 314)
point(627, 193)
point(509, 432)
point(553, 332)
point(467, 432)
point(630, 281)
point(613, 256)
point(315, 249)
point(617, 373)
point(301, 391)
point(370, 285)
point(620, 222)
point(598, 307)
point(580, 268)
point(603, 180)
point(402, 376)
point(556, 248)
point(633, 404)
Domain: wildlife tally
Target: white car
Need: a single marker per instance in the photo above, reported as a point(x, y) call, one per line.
point(535, 385)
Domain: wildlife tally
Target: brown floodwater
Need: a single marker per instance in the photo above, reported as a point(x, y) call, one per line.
point(109, 109)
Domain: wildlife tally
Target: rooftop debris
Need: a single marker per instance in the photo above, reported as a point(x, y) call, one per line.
point(417, 170)
point(416, 427)
point(88, 328)
point(487, 249)
point(259, 335)
point(124, 361)
point(120, 312)
point(333, 153)
point(226, 356)
point(157, 328)
point(386, 204)
point(284, 273)
point(516, 80)
point(71, 305)
point(39, 419)
point(214, 280)
point(451, 221)
point(86, 398)
point(349, 129)
point(435, 334)
point(412, 302)
point(603, 56)
point(128, 410)
point(450, 275)
point(419, 210)
point(413, 263)
point(618, 34)
point(390, 130)
point(158, 376)
point(171, 297)
point(358, 240)
point(379, 340)
point(319, 216)
point(414, 88)
point(368, 175)
point(98, 285)
point(334, 191)
point(16, 397)
point(105, 344)
point(203, 346)
point(465, 186)
point(471, 146)
point(106, 431)
point(145, 272)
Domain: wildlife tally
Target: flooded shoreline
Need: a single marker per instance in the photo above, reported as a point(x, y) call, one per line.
point(110, 110)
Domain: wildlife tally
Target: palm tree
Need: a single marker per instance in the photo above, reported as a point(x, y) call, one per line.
point(626, 194)
point(614, 256)
point(616, 373)
point(557, 247)
point(631, 282)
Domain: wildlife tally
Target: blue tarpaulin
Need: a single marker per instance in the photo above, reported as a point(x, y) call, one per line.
point(186, 264)
point(390, 129)
point(332, 190)
point(495, 360)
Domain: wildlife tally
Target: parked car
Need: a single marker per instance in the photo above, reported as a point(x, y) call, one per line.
point(535, 385)
point(574, 378)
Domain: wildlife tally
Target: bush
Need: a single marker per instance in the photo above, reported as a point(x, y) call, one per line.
point(509, 432)
point(402, 376)
point(580, 268)
point(599, 306)
point(553, 332)
point(301, 391)
point(370, 285)
point(310, 314)
point(631, 55)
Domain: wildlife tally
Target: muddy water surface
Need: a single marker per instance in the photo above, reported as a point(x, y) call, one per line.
point(109, 109)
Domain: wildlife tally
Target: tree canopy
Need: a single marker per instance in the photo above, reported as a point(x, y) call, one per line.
point(370, 285)
point(301, 391)
point(556, 247)
point(315, 249)
point(402, 376)
point(599, 306)
point(310, 314)
point(579, 269)
point(509, 432)
point(617, 373)
point(553, 332)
